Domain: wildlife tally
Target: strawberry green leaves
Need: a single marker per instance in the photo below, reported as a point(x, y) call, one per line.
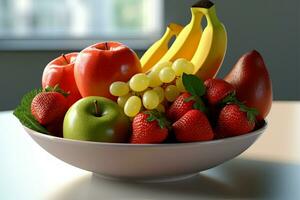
point(251, 112)
point(23, 112)
point(56, 88)
point(195, 86)
point(155, 115)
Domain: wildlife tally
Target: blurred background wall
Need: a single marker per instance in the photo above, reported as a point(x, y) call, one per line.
point(269, 26)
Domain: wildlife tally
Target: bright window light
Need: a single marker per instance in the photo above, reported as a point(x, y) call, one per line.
point(73, 24)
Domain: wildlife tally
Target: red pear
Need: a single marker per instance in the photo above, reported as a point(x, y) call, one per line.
point(252, 82)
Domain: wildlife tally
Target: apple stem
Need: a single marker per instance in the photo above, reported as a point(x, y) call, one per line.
point(65, 59)
point(97, 111)
point(106, 46)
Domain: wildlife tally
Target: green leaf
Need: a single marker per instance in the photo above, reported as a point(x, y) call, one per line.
point(231, 98)
point(23, 112)
point(196, 88)
point(191, 98)
point(193, 84)
point(251, 112)
point(199, 105)
point(151, 118)
point(155, 115)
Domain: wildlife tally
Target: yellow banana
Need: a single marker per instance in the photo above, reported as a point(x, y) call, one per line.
point(211, 50)
point(160, 47)
point(184, 45)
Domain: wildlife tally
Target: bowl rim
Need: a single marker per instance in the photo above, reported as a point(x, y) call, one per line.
point(163, 145)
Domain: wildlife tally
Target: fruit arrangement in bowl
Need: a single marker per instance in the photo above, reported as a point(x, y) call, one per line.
point(104, 108)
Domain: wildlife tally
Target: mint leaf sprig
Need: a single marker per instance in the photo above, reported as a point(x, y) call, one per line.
point(23, 112)
point(195, 86)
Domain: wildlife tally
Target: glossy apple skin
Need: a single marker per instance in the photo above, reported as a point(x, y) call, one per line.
point(252, 82)
point(58, 71)
point(101, 64)
point(81, 122)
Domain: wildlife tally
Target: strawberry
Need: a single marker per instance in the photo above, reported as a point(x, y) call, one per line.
point(235, 119)
point(149, 127)
point(193, 126)
point(49, 105)
point(189, 100)
point(216, 90)
point(180, 106)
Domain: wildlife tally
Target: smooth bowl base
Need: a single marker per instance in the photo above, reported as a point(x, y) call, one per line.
point(148, 180)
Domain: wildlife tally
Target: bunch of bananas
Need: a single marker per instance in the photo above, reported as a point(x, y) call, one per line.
point(205, 48)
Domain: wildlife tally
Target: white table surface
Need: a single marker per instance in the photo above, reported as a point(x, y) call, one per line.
point(270, 169)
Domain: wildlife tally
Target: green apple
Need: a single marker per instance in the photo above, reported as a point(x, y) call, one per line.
point(96, 119)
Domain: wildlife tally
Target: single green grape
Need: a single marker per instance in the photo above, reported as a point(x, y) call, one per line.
point(119, 88)
point(160, 92)
point(139, 82)
point(133, 106)
point(150, 100)
point(154, 79)
point(167, 75)
point(182, 65)
point(171, 93)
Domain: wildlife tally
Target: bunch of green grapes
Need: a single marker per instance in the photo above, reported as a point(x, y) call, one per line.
point(150, 90)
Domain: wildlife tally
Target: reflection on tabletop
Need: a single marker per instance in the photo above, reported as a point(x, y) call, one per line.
point(240, 178)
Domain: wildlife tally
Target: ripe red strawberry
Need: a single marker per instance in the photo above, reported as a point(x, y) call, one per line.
point(216, 90)
point(192, 127)
point(190, 100)
point(149, 127)
point(180, 106)
point(48, 107)
point(235, 120)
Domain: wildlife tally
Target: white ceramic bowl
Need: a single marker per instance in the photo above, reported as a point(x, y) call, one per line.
point(145, 162)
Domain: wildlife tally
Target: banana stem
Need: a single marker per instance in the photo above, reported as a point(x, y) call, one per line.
point(211, 17)
point(196, 16)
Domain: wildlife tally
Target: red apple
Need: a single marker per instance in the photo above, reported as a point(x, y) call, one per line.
point(252, 82)
point(101, 64)
point(61, 71)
